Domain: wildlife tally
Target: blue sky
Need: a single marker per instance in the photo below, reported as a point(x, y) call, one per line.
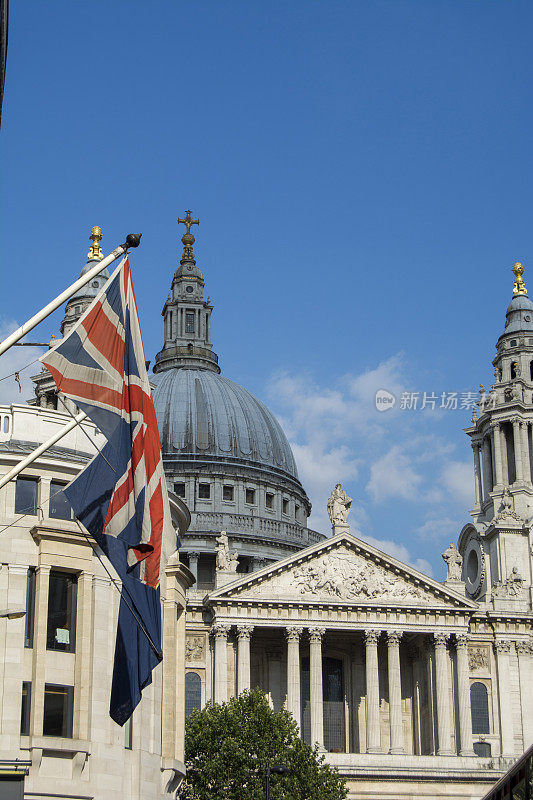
point(363, 176)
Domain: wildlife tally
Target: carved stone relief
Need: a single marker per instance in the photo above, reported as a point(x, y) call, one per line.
point(195, 647)
point(343, 575)
point(478, 658)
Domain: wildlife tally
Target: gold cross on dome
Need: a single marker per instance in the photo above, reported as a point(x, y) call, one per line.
point(188, 221)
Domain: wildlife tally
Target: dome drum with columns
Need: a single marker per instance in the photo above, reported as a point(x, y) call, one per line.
point(224, 452)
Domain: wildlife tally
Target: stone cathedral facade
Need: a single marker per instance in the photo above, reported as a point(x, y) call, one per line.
point(410, 686)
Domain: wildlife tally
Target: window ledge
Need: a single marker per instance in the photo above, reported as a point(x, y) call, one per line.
point(55, 743)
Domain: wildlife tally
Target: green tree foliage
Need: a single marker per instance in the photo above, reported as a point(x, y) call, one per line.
point(228, 746)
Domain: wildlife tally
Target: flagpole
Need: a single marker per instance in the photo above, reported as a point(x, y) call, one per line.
point(39, 450)
point(132, 240)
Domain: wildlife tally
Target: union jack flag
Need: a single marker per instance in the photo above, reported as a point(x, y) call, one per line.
point(121, 497)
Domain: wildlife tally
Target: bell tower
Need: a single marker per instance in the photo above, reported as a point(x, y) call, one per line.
point(496, 549)
point(187, 315)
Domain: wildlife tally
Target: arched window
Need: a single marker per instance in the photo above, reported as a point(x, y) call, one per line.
point(193, 692)
point(531, 370)
point(513, 370)
point(479, 702)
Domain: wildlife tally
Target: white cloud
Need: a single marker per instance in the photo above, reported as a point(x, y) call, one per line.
point(458, 478)
point(393, 475)
point(441, 529)
point(15, 359)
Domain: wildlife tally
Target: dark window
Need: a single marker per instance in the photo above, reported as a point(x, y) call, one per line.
point(513, 342)
point(531, 370)
point(269, 502)
point(227, 492)
point(128, 734)
point(206, 571)
point(482, 749)
point(296, 511)
point(58, 710)
point(285, 506)
point(189, 322)
point(250, 496)
point(479, 702)
point(26, 496)
point(25, 709)
point(61, 633)
point(179, 489)
point(193, 692)
point(513, 370)
point(59, 505)
point(204, 491)
point(30, 607)
point(333, 705)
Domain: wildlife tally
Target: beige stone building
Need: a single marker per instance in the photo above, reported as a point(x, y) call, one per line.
point(58, 615)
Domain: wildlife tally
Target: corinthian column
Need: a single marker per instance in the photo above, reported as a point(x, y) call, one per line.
point(497, 452)
point(395, 692)
point(463, 687)
point(243, 657)
point(443, 695)
point(220, 633)
point(487, 468)
point(477, 474)
point(373, 734)
point(293, 672)
point(315, 676)
point(525, 671)
point(504, 695)
point(517, 450)
point(525, 451)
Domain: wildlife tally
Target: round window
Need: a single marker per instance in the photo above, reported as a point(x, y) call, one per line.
point(95, 284)
point(188, 289)
point(472, 566)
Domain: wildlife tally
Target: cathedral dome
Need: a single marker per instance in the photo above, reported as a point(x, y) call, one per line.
point(203, 416)
point(519, 314)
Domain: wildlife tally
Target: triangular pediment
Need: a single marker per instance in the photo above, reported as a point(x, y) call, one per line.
point(343, 570)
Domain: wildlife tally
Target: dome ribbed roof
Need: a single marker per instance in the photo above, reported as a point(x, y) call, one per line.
point(203, 414)
point(519, 315)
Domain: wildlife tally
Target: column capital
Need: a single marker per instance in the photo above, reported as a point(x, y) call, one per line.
point(502, 646)
point(393, 637)
point(371, 637)
point(441, 639)
point(494, 426)
point(476, 445)
point(193, 553)
point(293, 634)
point(461, 639)
point(244, 631)
point(220, 630)
point(316, 634)
point(524, 648)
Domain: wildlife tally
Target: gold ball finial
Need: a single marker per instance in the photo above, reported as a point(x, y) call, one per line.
point(95, 251)
point(519, 285)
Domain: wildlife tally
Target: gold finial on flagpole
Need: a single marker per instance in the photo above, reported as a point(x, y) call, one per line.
point(95, 251)
point(519, 285)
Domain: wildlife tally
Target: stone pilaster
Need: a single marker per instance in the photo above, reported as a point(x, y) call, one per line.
point(443, 695)
point(395, 692)
point(293, 672)
point(487, 469)
point(503, 648)
point(39, 650)
point(525, 671)
point(373, 734)
point(463, 688)
point(220, 634)
point(84, 650)
point(244, 633)
point(316, 696)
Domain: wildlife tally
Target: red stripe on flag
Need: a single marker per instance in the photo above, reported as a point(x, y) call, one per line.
point(102, 333)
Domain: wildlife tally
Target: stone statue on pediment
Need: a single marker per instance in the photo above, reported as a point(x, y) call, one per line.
point(226, 559)
point(454, 563)
point(339, 507)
